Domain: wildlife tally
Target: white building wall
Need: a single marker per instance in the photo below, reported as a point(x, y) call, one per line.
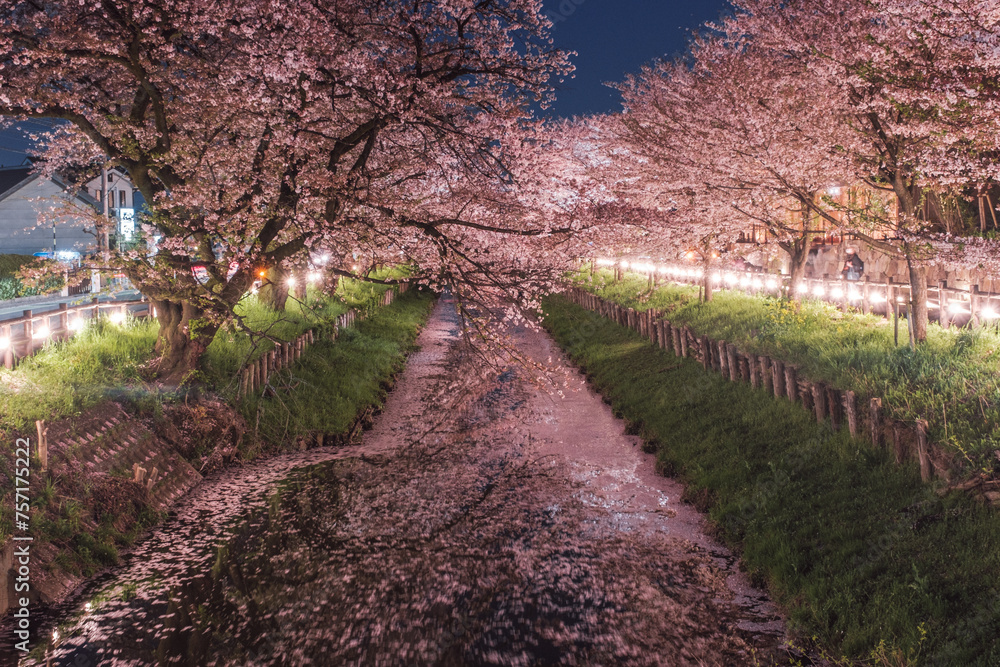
point(19, 221)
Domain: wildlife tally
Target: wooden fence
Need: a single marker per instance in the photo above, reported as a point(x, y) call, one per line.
point(257, 373)
point(22, 337)
point(26, 335)
point(949, 306)
point(864, 417)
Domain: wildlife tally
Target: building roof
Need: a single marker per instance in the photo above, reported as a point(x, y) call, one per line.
point(10, 179)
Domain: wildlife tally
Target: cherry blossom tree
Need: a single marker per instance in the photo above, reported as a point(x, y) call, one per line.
point(375, 129)
point(899, 65)
point(742, 131)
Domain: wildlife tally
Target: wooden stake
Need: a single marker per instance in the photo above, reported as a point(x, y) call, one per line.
point(875, 422)
point(835, 405)
point(675, 335)
point(706, 353)
point(819, 401)
point(851, 407)
point(43, 443)
point(791, 383)
point(766, 381)
point(732, 363)
point(923, 453)
point(778, 378)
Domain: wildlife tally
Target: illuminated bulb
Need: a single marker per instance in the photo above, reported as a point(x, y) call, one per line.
point(837, 293)
point(356, 267)
point(744, 281)
point(878, 297)
point(262, 274)
point(291, 282)
point(757, 283)
point(41, 332)
point(664, 269)
point(78, 323)
point(4, 343)
point(314, 276)
point(87, 607)
point(730, 279)
point(324, 259)
point(772, 284)
point(717, 277)
point(699, 273)
point(624, 266)
point(955, 307)
point(117, 317)
point(853, 295)
point(986, 314)
point(802, 288)
point(819, 290)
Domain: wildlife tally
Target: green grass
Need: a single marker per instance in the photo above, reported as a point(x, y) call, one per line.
point(66, 378)
point(333, 381)
point(863, 556)
point(105, 359)
point(952, 380)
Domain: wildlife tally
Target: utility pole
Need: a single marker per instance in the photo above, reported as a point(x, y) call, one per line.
point(105, 240)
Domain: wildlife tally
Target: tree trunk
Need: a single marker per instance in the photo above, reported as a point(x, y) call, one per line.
point(798, 255)
point(274, 292)
point(185, 333)
point(918, 300)
point(707, 278)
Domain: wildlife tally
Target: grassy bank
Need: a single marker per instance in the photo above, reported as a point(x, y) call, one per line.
point(951, 380)
point(106, 359)
point(864, 557)
point(335, 381)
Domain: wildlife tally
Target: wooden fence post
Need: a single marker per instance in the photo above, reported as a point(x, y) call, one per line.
point(875, 421)
point(706, 354)
point(791, 383)
point(851, 407)
point(766, 381)
point(922, 451)
point(944, 316)
point(8, 353)
point(819, 401)
point(684, 341)
point(744, 368)
point(675, 335)
point(43, 443)
point(778, 376)
point(732, 362)
point(721, 361)
point(754, 372)
point(835, 406)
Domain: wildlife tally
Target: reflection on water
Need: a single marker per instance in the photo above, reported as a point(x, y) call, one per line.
point(469, 555)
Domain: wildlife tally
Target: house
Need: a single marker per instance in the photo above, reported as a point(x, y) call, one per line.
point(47, 214)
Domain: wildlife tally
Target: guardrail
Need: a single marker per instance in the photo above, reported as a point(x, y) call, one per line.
point(948, 306)
point(26, 335)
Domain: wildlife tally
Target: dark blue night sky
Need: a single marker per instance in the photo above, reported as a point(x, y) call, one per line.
point(615, 38)
point(612, 37)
